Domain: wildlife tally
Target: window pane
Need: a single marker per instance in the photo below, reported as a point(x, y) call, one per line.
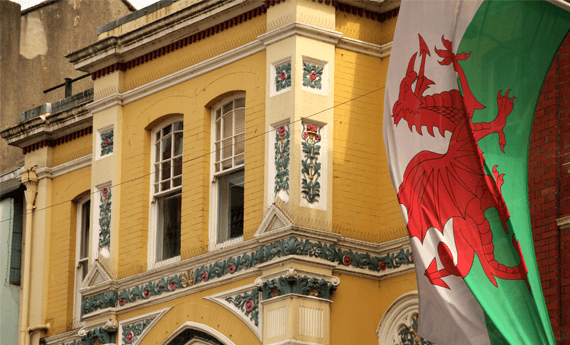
point(156, 172)
point(218, 129)
point(165, 185)
point(227, 148)
point(218, 113)
point(240, 120)
point(178, 126)
point(177, 166)
point(240, 144)
point(158, 136)
point(167, 147)
point(228, 126)
point(167, 130)
point(157, 149)
point(217, 149)
point(178, 144)
point(230, 206)
point(84, 269)
point(85, 224)
point(239, 160)
point(240, 102)
point(177, 182)
point(227, 107)
point(227, 164)
point(165, 170)
point(156, 188)
point(168, 234)
point(217, 167)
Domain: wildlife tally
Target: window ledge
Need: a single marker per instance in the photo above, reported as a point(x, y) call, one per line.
point(227, 243)
point(163, 263)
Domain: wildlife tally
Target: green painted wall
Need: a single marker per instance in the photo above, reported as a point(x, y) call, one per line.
point(9, 294)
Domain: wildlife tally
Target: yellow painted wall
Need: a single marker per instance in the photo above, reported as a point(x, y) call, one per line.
point(364, 29)
point(192, 99)
point(71, 150)
point(359, 304)
point(197, 309)
point(364, 202)
point(61, 279)
point(194, 53)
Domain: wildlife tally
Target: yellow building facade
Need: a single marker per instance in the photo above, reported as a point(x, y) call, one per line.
point(225, 182)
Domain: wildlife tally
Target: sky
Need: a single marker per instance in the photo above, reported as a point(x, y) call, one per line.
point(137, 3)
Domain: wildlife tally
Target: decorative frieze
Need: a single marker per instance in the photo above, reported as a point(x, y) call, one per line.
point(283, 76)
point(105, 218)
point(155, 288)
point(312, 75)
point(281, 248)
point(102, 301)
point(282, 156)
point(294, 246)
point(310, 164)
point(306, 286)
point(106, 142)
point(133, 331)
point(248, 303)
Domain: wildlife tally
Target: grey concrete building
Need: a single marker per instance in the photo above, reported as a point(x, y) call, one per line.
point(33, 45)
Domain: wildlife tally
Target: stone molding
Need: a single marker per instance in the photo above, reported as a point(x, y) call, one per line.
point(221, 299)
point(64, 168)
point(49, 127)
point(155, 316)
point(304, 30)
point(365, 47)
point(199, 327)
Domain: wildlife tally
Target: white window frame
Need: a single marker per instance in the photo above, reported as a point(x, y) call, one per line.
point(153, 204)
point(78, 269)
point(213, 228)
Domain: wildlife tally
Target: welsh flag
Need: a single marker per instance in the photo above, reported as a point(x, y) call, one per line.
point(462, 88)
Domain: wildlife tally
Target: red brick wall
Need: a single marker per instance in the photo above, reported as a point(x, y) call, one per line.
point(549, 190)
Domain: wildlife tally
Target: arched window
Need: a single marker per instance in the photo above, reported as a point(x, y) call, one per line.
point(166, 188)
point(228, 160)
point(399, 325)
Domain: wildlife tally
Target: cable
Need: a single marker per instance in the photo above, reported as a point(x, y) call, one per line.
point(208, 153)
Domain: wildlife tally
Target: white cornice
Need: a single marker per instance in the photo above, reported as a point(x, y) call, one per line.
point(105, 103)
point(64, 168)
point(365, 47)
point(300, 29)
point(193, 71)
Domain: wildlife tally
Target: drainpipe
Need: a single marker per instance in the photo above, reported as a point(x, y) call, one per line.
point(30, 180)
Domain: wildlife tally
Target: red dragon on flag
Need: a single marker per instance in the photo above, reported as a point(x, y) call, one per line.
point(437, 187)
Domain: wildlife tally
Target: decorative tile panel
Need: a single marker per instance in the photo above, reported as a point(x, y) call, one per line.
point(312, 75)
point(282, 156)
point(105, 218)
point(133, 331)
point(248, 303)
point(106, 143)
point(409, 335)
point(154, 288)
point(310, 164)
point(282, 76)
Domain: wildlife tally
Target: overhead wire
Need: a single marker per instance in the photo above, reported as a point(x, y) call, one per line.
point(207, 153)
